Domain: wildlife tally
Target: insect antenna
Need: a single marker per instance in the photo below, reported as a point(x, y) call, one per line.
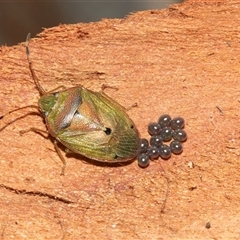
point(30, 64)
point(18, 118)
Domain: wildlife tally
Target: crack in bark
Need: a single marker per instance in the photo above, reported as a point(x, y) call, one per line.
point(36, 193)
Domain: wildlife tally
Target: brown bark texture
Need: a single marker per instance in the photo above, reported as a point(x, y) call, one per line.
point(184, 61)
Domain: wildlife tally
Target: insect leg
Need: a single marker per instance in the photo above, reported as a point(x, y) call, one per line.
point(41, 132)
point(104, 86)
point(132, 106)
point(60, 156)
point(115, 103)
point(36, 130)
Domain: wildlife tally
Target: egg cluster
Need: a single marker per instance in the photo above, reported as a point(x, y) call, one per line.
point(161, 132)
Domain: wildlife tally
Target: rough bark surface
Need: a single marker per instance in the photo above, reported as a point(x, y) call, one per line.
point(184, 61)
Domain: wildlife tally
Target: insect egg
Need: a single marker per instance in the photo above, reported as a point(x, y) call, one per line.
point(143, 160)
point(154, 128)
point(153, 152)
point(177, 123)
point(166, 134)
point(144, 145)
point(156, 140)
point(180, 135)
point(165, 151)
point(176, 147)
point(161, 131)
point(164, 120)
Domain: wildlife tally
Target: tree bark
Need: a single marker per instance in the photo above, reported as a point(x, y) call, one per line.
point(183, 61)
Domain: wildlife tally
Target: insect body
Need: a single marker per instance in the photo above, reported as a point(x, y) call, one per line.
point(86, 122)
point(91, 124)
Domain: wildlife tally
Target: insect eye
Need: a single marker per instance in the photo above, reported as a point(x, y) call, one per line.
point(131, 126)
point(108, 131)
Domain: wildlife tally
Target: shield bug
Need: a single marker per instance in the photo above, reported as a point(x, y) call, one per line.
point(85, 122)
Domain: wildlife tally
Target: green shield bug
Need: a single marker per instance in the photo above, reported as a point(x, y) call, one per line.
point(85, 122)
